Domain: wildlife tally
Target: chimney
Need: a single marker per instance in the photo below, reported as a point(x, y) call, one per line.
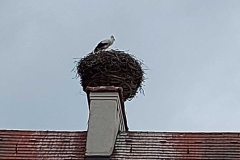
point(106, 118)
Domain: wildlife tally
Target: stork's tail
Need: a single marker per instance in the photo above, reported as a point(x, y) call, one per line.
point(95, 50)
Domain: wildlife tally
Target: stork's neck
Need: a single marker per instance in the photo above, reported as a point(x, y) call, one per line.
point(112, 40)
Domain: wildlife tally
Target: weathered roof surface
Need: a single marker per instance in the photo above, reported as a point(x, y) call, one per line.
point(42, 145)
point(177, 145)
point(63, 145)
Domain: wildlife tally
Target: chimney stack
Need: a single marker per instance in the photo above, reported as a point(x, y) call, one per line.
point(106, 118)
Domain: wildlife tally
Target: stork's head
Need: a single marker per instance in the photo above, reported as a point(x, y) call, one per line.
point(112, 37)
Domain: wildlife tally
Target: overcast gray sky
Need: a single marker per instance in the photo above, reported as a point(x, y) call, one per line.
point(191, 47)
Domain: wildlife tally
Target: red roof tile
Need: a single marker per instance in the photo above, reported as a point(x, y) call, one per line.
point(39, 145)
point(177, 145)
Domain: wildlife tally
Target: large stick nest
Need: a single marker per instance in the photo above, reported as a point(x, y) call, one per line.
point(112, 68)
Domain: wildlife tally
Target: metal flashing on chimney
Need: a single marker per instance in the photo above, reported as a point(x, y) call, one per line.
point(97, 158)
point(106, 119)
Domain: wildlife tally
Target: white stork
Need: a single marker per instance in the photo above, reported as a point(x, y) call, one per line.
point(104, 44)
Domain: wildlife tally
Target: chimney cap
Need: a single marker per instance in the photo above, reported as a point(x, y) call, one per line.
point(104, 89)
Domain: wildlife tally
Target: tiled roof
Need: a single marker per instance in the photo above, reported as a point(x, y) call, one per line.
point(177, 145)
point(64, 145)
point(42, 145)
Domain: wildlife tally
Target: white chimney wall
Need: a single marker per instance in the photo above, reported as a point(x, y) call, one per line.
point(105, 121)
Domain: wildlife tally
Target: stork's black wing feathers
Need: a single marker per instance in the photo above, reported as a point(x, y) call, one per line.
point(100, 45)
